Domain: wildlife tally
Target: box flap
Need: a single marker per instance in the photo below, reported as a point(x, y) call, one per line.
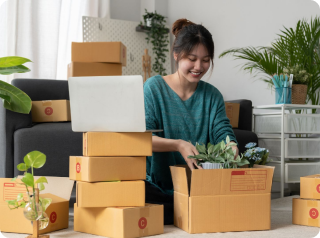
point(179, 179)
point(59, 186)
point(205, 182)
point(55, 199)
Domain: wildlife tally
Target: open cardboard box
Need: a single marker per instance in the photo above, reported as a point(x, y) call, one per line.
point(50, 111)
point(95, 169)
point(222, 200)
point(58, 188)
point(120, 222)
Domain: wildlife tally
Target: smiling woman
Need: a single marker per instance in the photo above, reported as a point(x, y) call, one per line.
point(188, 110)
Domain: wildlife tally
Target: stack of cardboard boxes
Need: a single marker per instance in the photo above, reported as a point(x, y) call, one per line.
point(97, 59)
point(305, 210)
point(110, 187)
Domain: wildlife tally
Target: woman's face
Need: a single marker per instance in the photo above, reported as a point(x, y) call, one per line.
point(194, 65)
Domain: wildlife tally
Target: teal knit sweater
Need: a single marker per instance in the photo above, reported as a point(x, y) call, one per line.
point(201, 118)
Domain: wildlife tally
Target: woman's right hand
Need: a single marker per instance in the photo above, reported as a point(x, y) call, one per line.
point(185, 148)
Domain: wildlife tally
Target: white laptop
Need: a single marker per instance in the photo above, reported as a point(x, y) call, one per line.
point(107, 103)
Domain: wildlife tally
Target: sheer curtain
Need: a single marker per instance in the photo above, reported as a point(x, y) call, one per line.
point(42, 31)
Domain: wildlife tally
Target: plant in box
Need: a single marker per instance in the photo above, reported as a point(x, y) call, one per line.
point(255, 155)
point(34, 209)
point(218, 156)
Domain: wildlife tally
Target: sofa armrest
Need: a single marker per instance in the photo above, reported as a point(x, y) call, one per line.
point(245, 114)
point(10, 122)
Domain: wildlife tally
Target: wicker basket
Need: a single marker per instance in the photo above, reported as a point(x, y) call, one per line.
point(299, 94)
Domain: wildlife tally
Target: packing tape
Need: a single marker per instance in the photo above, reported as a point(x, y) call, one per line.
point(143, 221)
point(78, 169)
point(46, 103)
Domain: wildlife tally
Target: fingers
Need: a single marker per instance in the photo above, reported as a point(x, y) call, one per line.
point(198, 166)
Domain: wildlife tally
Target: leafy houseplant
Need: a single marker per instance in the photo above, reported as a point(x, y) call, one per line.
point(255, 155)
point(32, 209)
point(14, 99)
point(157, 33)
point(220, 153)
point(298, 46)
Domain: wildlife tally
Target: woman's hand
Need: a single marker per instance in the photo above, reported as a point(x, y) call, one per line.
point(185, 148)
point(235, 148)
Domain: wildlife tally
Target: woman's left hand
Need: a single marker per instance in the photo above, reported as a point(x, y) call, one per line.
point(235, 148)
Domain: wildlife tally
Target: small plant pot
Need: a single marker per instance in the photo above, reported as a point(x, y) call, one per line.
point(148, 22)
point(208, 165)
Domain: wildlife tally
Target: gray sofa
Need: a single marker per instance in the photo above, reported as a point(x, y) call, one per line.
point(19, 135)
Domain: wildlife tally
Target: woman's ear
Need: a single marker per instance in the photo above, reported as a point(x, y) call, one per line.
point(175, 56)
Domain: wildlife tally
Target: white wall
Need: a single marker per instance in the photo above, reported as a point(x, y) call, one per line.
point(235, 23)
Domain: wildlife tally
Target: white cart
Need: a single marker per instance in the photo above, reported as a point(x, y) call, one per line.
point(289, 137)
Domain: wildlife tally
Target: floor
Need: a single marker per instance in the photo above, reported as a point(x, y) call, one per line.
point(281, 226)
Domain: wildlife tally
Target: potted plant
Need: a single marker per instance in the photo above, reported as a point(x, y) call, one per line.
point(294, 46)
point(299, 83)
point(218, 156)
point(13, 98)
point(157, 34)
point(34, 207)
point(255, 155)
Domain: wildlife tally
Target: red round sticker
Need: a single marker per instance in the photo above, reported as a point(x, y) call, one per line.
point(313, 213)
point(78, 167)
point(142, 223)
point(318, 188)
point(53, 217)
point(48, 111)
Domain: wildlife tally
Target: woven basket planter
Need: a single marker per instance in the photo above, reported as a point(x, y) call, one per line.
point(299, 94)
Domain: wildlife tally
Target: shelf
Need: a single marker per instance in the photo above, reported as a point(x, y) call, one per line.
point(140, 28)
point(287, 106)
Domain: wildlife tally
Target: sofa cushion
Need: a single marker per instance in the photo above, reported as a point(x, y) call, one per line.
point(243, 137)
point(56, 140)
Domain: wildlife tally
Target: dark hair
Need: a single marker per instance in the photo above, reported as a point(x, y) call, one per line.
point(188, 35)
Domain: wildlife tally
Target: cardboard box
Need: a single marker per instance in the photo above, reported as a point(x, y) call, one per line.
point(110, 194)
point(58, 211)
point(305, 212)
point(232, 110)
point(222, 200)
point(310, 186)
point(117, 144)
point(51, 110)
point(120, 222)
point(97, 169)
point(82, 69)
point(108, 52)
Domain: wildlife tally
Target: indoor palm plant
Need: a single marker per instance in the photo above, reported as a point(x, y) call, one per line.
point(157, 34)
point(13, 98)
point(218, 156)
point(294, 46)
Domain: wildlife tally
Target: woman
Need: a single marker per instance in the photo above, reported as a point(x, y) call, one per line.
point(186, 108)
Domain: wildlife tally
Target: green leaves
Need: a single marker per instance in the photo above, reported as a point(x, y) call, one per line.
point(12, 61)
point(42, 180)
point(45, 203)
point(14, 99)
point(201, 148)
point(28, 179)
point(35, 159)
point(22, 167)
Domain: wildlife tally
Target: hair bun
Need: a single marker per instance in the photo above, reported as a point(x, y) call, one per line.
point(179, 24)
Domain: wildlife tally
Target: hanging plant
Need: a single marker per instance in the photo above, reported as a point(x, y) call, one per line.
point(157, 33)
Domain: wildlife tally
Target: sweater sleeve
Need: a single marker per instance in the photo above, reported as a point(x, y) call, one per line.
point(221, 124)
